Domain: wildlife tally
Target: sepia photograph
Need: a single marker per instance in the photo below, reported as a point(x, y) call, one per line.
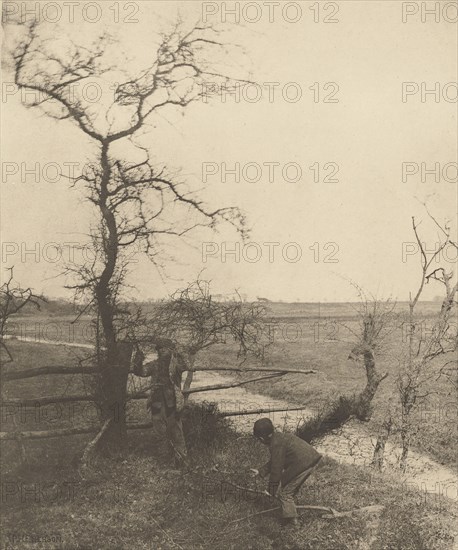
point(228, 280)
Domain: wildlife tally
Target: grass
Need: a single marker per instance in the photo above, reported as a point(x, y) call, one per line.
point(135, 500)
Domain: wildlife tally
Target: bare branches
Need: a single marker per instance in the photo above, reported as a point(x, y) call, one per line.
point(425, 261)
point(13, 299)
point(178, 77)
point(187, 61)
point(418, 366)
point(54, 78)
point(442, 337)
point(196, 321)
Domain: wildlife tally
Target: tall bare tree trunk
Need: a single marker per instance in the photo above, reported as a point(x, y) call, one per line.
point(114, 369)
point(113, 395)
point(373, 381)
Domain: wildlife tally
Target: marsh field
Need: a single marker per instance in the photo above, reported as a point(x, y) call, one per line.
point(137, 499)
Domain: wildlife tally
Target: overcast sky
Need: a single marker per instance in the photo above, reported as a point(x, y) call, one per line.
point(350, 229)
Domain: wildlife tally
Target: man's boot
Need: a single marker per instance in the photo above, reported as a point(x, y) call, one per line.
point(291, 523)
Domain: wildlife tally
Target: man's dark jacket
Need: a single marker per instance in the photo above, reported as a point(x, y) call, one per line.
point(289, 457)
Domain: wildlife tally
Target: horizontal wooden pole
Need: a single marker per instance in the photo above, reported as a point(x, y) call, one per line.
point(46, 434)
point(231, 384)
point(32, 401)
point(260, 369)
point(262, 411)
point(40, 371)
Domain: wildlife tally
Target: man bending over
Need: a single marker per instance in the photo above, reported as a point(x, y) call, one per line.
point(292, 460)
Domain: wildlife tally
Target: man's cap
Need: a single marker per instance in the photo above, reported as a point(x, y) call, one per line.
point(164, 343)
point(263, 427)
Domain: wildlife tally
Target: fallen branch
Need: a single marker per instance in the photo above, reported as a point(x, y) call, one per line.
point(266, 494)
point(375, 508)
point(255, 514)
point(331, 513)
point(91, 446)
point(254, 491)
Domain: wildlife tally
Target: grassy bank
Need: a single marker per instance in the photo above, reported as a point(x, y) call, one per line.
point(135, 500)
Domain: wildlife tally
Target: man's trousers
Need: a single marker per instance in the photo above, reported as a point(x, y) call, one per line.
point(287, 493)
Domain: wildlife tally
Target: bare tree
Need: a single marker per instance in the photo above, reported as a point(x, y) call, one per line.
point(418, 365)
point(13, 299)
point(137, 201)
point(375, 324)
point(419, 359)
point(194, 319)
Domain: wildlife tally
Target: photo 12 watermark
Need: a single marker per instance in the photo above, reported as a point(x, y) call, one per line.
point(27, 172)
point(429, 92)
point(71, 12)
point(270, 92)
point(269, 172)
point(429, 12)
point(270, 12)
point(51, 412)
point(51, 492)
point(68, 252)
point(447, 253)
point(269, 252)
point(433, 172)
point(90, 92)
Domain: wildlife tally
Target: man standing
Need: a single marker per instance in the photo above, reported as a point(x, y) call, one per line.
point(166, 399)
point(292, 460)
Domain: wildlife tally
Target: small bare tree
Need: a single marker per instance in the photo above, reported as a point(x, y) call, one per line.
point(419, 357)
point(13, 299)
point(375, 324)
point(418, 365)
point(190, 322)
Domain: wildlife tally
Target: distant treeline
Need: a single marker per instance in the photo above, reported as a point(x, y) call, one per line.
point(54, 307)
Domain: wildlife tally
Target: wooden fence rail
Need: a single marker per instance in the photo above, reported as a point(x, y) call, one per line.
point(41, 371)
point(269, 372)
point(15, 435)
